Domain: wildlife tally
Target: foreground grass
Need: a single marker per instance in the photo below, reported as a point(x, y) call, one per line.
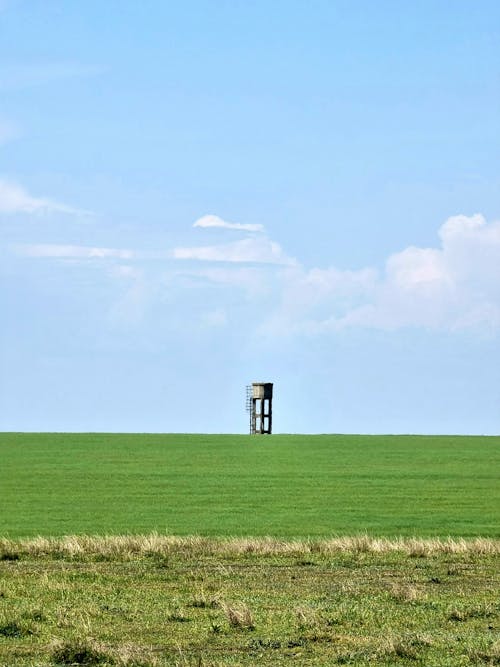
point(288, 486)
point(146, 601)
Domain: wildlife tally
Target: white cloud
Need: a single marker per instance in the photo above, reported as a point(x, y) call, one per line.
point(451, 287)
point(208, 221)
point(15, 199)
point(250, 250)
point(454, 286)
point(471, 249)
point(311, 299)
point(73, 252)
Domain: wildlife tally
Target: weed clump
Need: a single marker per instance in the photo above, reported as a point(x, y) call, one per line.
point(178, 616)
point(80, 653)
point(92, 654)
point(488, 657)
point(407, 647)
point(201, 601)
point(405, 593)
point(480, 611)
point(308, 618)
point(14, 630)
point(239, 616)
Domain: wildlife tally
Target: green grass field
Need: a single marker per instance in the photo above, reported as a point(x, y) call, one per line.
point(282, 485)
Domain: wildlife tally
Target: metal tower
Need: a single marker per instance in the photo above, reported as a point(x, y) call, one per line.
point(259, 403)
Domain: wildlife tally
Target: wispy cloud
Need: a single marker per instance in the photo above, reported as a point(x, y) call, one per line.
point(208, 221)
point(73, 252)
point(251, 250)
point(15, 199)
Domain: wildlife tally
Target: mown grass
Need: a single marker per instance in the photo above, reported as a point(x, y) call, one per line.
point(287, 486)
point(159, 600)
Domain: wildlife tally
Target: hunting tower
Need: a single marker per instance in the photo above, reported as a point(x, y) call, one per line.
point(260, 406)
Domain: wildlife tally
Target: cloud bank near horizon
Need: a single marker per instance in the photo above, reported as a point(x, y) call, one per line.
point(452, 286)
point(455, 286)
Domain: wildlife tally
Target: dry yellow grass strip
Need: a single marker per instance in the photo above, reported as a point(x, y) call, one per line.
point(123, 546)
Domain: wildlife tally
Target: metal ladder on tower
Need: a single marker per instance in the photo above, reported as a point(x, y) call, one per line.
point(249, 405)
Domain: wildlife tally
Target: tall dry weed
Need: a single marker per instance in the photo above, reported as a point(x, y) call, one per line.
point(239, 616)
point(131, 546)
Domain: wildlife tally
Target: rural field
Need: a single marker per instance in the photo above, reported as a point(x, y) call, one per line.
point(201, 601)
point(235, 485)
point(195, 550)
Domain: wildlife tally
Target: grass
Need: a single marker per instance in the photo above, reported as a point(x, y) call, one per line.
point(287, 486)
point(154, 601)
point(99, 597)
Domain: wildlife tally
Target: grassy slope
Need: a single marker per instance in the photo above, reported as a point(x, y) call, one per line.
point(155, 602)
point(237, 485)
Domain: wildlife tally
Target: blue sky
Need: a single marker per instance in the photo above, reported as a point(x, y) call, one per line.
point(197, 195)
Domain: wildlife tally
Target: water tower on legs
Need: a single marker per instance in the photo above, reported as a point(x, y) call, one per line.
point(260, 407)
